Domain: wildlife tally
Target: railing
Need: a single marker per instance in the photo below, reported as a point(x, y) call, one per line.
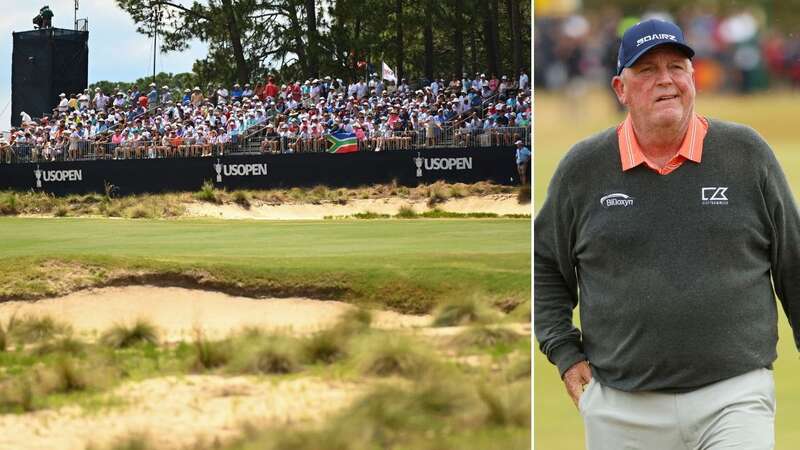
point(404, 140)
point(84, 150)
point(92, 151)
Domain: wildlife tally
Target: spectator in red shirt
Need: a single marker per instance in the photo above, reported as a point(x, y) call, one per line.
point(296, 94)
point(272, 89)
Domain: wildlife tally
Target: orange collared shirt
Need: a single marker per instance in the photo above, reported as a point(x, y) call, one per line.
point(631, 154)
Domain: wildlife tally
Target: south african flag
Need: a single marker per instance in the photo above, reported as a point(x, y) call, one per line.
point(342, 142)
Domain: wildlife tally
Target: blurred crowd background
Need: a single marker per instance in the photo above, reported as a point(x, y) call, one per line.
point(742, 46)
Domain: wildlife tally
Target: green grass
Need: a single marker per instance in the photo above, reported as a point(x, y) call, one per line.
point(559, 125)
point(407, 266)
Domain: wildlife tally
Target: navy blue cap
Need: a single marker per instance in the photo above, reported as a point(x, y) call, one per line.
point(646, 35)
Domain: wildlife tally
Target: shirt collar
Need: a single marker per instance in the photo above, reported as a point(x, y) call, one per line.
point(631, 154)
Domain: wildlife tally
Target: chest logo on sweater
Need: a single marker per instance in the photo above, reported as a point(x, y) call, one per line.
point(616, 200)
point(715, 195)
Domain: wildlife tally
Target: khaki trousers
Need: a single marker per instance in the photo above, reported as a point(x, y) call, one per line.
point(737, 413)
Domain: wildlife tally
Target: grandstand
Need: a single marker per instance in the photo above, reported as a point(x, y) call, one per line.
point(294, 118)
point(470, 118)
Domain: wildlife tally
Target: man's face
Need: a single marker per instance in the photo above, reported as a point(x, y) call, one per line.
point(659, 88)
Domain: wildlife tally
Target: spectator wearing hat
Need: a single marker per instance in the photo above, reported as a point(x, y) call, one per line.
point(197, 97)
point(83, 100)
point(434, 87)
point(25, 118)
point(523, 159)
point(523, 80)
point(222, 95)
point(187, 97)
point(63, 103)
point(504, 86)
point(247, 92)
point(166, 95)
point(100, 100)
point(152, 95)
point(236, 93)
point(119, 100)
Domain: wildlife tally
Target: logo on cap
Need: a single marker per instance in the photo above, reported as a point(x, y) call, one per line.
point(655, 37)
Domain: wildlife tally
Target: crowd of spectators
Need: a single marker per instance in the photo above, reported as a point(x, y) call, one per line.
point(290, 117)
point(737, 51)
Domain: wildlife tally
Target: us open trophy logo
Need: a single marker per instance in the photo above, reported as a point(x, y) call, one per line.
point(418, 162)
point(218, 168)
point(38, 174)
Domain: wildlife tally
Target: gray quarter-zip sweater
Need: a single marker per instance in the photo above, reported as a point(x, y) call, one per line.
point(673, 275)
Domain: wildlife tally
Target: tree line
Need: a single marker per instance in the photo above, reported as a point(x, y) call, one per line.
point(302, 39)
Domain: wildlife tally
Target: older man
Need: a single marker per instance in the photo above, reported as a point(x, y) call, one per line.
point(670, 232)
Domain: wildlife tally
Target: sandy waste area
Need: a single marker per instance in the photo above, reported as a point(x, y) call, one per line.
point(178, 312)
point(179, 412)
point(496, 203)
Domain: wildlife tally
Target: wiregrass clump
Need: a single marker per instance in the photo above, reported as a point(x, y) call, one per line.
point(28, 391)
point(389, 416)
point(386, 355)
point(438, 193)
point(67, 345)
point(131, 441)
point(406, 212)
point(208, 193)
point(208, 354)
point(333, 344)
point(140, 212)
point(520, 369)
point(270, 354)
point(353, 321)
point(32, 329)
point(463, 311)
point(18, 394)
point(483, 336)
point(242, 199)
point(507, 406)
point(9, 205)
point(66, 375)
point(124, 336)
point(521, 312)
point(325, 347)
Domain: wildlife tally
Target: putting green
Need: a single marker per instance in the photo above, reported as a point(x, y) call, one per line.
point(407, 265)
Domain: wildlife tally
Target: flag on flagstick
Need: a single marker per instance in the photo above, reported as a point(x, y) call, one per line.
point(342, 142)
point(388, 74)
